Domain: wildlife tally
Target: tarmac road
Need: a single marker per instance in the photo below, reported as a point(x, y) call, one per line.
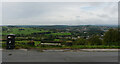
point(58, 56)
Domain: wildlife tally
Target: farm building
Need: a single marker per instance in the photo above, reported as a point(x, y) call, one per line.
point(54, 43)
point(21, 29)
point(31, 43)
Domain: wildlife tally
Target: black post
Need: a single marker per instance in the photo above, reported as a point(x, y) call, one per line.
point(10, 41)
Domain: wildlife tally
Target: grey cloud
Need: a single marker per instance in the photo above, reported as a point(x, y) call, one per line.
point(59, 13)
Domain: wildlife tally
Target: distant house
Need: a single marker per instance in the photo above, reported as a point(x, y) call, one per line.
point(32, 43)
point(69, 43)
point(41, 33)
point(21, 29)
point(51, 43)
point(2, 39)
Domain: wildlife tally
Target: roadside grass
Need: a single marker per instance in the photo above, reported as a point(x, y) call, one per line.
point(24, 45)
point(91, 47)
point(19, 46)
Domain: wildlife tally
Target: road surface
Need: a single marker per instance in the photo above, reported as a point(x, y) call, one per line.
point(58, 56)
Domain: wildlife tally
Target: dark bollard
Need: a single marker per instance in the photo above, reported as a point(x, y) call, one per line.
point(10, 41)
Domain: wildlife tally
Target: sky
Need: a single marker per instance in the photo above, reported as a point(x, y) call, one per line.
point(48, 13)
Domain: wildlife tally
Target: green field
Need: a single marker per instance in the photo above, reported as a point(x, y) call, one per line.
point(28, 31)
point(32, 37)
point(59, 34)
point(24, 31)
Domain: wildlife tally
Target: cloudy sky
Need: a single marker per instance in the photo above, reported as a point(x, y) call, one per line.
point(38, 13)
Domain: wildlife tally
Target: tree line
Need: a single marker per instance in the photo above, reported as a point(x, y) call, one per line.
point(111, 37)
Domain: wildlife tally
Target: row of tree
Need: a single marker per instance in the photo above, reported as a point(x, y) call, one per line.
point(111, 37)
